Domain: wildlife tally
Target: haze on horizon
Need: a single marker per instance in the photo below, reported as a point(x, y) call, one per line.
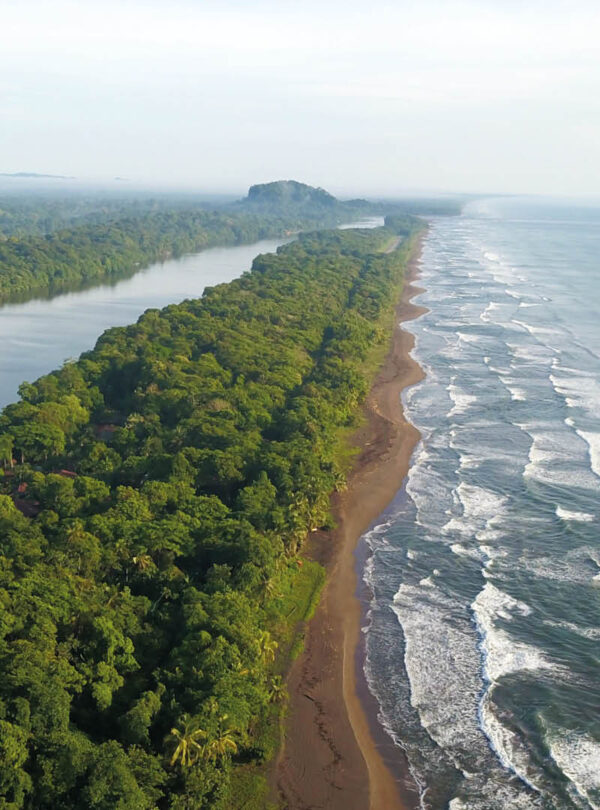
point(373, 99)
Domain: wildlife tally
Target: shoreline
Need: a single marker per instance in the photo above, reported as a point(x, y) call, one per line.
point(335, 753)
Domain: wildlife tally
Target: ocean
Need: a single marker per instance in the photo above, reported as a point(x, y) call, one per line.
point(483, 634)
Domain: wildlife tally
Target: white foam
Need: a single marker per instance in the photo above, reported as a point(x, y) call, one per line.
point(538, 354)
point(578, 390)
point(464, 551)
point(496, 796)
point(556, 457)
point(469, 337)
point(481, 511)
point(580, 517)
point(503, 654)
point(442, 664)
point(492, 552)
point(593, 442)
point(517, 394)
point(506, 743)
point(462, 401)
point(538, 331)
point(486, 314)
point(428, 491)
point(480, 503)
point(469, 462)
point(585, 632)
point(575, 566)
point(578, 757)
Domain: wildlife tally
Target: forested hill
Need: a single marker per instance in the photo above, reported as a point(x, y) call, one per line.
point(154, 497)
point(290, 196)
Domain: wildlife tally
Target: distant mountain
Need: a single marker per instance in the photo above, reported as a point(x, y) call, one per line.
point(289, 198)
point(36, 175)
point(289, 192)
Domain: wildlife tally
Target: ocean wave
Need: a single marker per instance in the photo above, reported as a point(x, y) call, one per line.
point(536, 354)
point(461, 399)
point(494, 798)
point(540, 332)
point(579, 565)
point(502, 654)
point(592, 633)
point(491, 307)
point(482, 512)
point(580, 517)
point(593, 442)
point(507, 745)
point(578, 390)
point(554, 458)
point(465, 551)
point(578, 757)
point(460, 650)
point(442, 663)
point(479, 503)
point(510, 382)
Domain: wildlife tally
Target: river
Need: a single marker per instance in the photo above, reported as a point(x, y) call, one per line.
point(41, 334)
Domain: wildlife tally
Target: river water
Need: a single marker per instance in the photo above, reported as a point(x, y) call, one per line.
point(38, 336)
point(41, 334)
point(483, 647)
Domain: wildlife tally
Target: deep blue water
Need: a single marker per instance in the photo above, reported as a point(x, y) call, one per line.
point(483, 647)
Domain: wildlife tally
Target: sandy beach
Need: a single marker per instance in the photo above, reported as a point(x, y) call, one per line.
point(335, 755)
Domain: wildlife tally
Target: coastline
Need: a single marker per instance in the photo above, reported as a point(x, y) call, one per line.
point(335, 754)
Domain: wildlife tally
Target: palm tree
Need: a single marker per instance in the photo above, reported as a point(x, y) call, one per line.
point(185, 738)
point(277, 692)
point(267, 646)
point(223, 744)
point(143, 562)
point(271, 591)
point(6, 450)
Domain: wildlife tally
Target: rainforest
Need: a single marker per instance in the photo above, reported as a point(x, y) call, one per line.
point(155, 495)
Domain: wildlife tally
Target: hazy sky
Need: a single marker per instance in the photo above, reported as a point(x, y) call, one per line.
point(359, 97)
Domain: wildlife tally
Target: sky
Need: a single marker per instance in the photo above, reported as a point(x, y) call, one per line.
point(374, 98)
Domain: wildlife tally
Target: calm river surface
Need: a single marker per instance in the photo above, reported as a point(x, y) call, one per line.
point(38, 336)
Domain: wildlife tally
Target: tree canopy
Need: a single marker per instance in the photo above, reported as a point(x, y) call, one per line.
point(153, 498)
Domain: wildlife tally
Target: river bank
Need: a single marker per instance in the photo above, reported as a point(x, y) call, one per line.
point(40, 334)
point(334, 753)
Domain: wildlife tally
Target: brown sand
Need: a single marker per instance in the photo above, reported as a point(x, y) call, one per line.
point(333, 757)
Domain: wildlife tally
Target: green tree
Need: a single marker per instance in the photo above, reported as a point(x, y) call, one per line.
point(185, 741)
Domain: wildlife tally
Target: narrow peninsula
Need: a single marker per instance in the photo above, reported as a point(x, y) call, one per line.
point(155, 499)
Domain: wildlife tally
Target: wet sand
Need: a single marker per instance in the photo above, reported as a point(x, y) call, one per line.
point(335, 754)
